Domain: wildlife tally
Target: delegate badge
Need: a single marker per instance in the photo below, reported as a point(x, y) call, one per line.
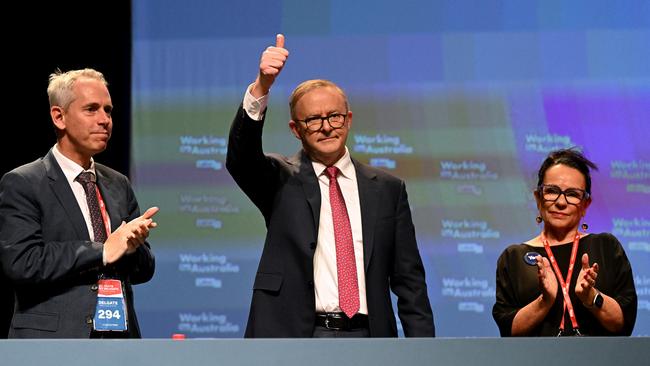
point(529, 258)
point(110, 314)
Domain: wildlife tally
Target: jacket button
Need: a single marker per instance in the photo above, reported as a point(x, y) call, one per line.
point(89, 319)
point(310, 284)
point(94, 287)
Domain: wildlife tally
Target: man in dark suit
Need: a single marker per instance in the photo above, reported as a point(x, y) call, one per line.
point(340, 234)
point(61, 250)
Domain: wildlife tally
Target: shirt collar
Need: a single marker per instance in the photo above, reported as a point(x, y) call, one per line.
point(344, 164)
point(70, 169)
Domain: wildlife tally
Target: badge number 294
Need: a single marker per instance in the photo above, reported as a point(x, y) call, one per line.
point(111, 310)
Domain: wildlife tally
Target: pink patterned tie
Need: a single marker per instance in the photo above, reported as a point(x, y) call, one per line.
point(346, 267)
point(88, 182)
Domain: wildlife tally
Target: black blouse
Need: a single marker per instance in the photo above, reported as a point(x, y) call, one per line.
point(517, 285)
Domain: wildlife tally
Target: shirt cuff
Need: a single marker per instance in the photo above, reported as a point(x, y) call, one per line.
point(104, 256)
point(255, 108)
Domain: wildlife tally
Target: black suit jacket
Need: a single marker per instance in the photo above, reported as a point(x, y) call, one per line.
point(46, 252)
point(287, 193)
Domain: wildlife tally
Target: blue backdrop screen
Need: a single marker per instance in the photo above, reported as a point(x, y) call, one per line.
point(462, 99)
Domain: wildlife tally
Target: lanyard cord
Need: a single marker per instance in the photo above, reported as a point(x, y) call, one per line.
point(564, 284)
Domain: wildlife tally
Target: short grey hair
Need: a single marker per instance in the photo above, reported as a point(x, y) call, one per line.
point(309, 85)
point(59, 90)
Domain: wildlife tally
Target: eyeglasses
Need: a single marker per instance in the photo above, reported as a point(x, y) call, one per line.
point(551, 193)
point(313, 124)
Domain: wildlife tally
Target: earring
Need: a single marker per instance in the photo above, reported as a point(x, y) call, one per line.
point(584, 226)
point(538, 219)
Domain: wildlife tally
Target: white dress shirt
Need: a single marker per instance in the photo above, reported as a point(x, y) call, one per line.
point(325, 274)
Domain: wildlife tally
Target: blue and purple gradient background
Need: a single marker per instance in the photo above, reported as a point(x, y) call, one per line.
point(456, 81)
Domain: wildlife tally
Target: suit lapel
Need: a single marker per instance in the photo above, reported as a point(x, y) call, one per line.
point(64, 195)
point(368, 198)
point(368, 193)
point(310, 185)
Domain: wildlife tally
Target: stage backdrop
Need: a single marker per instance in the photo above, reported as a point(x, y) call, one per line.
point(462, 99)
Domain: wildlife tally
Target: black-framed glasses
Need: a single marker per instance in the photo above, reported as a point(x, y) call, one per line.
point(336, 120)
point(551, 193)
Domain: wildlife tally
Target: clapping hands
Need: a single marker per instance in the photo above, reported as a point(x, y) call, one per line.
point(129, 236)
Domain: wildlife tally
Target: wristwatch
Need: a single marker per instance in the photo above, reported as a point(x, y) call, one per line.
point(597, 302)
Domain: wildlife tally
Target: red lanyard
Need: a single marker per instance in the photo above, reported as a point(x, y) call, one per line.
point(102, 208)
point(564, 284)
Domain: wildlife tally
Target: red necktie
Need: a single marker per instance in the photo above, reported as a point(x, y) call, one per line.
point(346, 267)
point(88, 182)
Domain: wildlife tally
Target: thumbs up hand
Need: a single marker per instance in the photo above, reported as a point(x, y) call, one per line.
point(271, 64)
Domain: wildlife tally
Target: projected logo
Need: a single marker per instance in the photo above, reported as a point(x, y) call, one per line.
point(473, 248)
point(635, 172)
point(467, 229)
point(635, 230)
point(468, 291)
point(471, 306)
point(385, 163)
point(200, 324)
point(209, 164)
point(205, 266)
point(544, 144)
point(466, 170)
point(204, 146)
point(380, 144)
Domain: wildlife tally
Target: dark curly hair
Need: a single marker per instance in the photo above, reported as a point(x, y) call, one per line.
point(572, 158)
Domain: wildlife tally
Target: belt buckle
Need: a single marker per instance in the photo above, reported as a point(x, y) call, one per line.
point(331, 323)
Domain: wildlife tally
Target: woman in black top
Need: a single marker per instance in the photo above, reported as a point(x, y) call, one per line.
point(601, 299)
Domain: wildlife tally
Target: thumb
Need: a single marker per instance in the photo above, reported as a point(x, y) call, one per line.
point(150, 212)
point(585, 261)
point(279, 40)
